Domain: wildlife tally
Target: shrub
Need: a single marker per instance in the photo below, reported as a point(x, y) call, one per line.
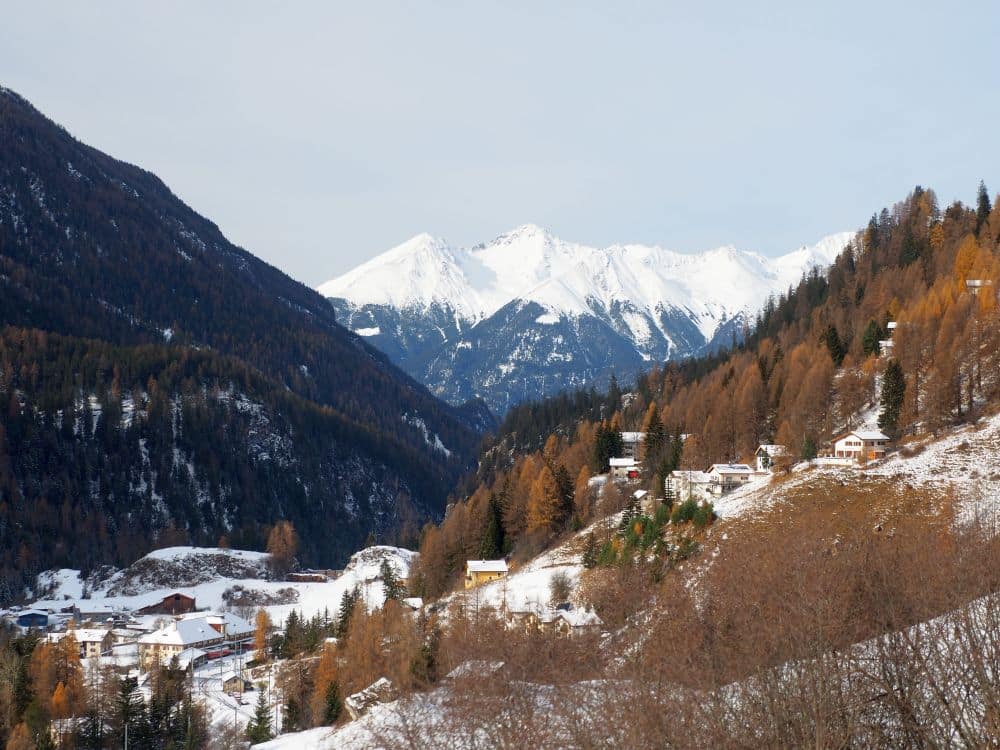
point(560, 587)
point(704, 514)
point(684, 512)
point(608, 556)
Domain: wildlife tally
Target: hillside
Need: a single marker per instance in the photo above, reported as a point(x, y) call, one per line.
point(528, 314)
point(219, 580)
point(135, 340)
point(828, 585)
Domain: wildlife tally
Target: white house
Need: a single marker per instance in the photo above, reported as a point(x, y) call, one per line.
point(92, 641)
point(727, 477)
point(632, 443)
point(684, 484)
point(766, 455)
point(169, 641)
point(861, 445)
point(624, 468)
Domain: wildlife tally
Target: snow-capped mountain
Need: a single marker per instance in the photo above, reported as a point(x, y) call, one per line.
point(529, 314)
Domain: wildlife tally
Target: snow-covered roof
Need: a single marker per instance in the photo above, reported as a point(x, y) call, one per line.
point(621, 463)
point(580, 618)
point(227, 676)
point(183, 633)
point(89, 635)
point(486, 566)
point(865, 435)
point(633, 437)
point(640, 494)
point(233, 625)
point(691, 475)
point(729, 469)
point(188, 655)
point(772, 449)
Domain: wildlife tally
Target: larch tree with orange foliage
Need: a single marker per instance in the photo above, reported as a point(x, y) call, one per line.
point(262, 630)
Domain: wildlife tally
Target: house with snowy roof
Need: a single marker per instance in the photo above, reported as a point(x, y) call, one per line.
point(229, 625)
point(861, 445)
point(169, 641)
point(632, 443)
point(725, 478)
point(686, 484)
point(234, 683)
point(623, 468)
point(483, 571)
point(766, 454)
point(92, 641)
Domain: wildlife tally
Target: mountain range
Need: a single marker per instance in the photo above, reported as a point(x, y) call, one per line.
point(136, 341)
point(528, 314)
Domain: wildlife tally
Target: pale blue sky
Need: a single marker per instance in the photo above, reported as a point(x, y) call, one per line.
point(320, 134)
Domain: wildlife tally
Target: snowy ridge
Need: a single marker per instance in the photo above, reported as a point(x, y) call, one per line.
point(566, 278)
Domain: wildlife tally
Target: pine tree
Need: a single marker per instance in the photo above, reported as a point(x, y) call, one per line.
point(565, 495)
point(808, 448)
point(492, 544)
point(129, 714)
point(259, 728)
point(891, 401)
point(833, 343)
point(630, 513)
point(655, 437)
point(347, 604)
point(391, 585)
point(869, 340)
point(983, 206)
point(333, 705)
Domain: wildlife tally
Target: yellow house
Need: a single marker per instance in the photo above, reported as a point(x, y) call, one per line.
point(483, 571)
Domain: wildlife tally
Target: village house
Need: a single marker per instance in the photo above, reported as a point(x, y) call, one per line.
point(563, 620)
point(169, 641)
point(766, 455)
point(686, 484)
point(93, 641)
point(624, 468)
point(483, 571)
point(234, 628)
point(861, 446)
point(33, 618)
point(235, 684)
point(632, 444)
point(725, 478)
point(172, 604)
point(576, 622)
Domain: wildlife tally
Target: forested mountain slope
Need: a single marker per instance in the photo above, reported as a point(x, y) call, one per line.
point(154, 378)
point(811, 368)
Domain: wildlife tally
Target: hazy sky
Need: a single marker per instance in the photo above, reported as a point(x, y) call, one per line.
point(318, 134)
